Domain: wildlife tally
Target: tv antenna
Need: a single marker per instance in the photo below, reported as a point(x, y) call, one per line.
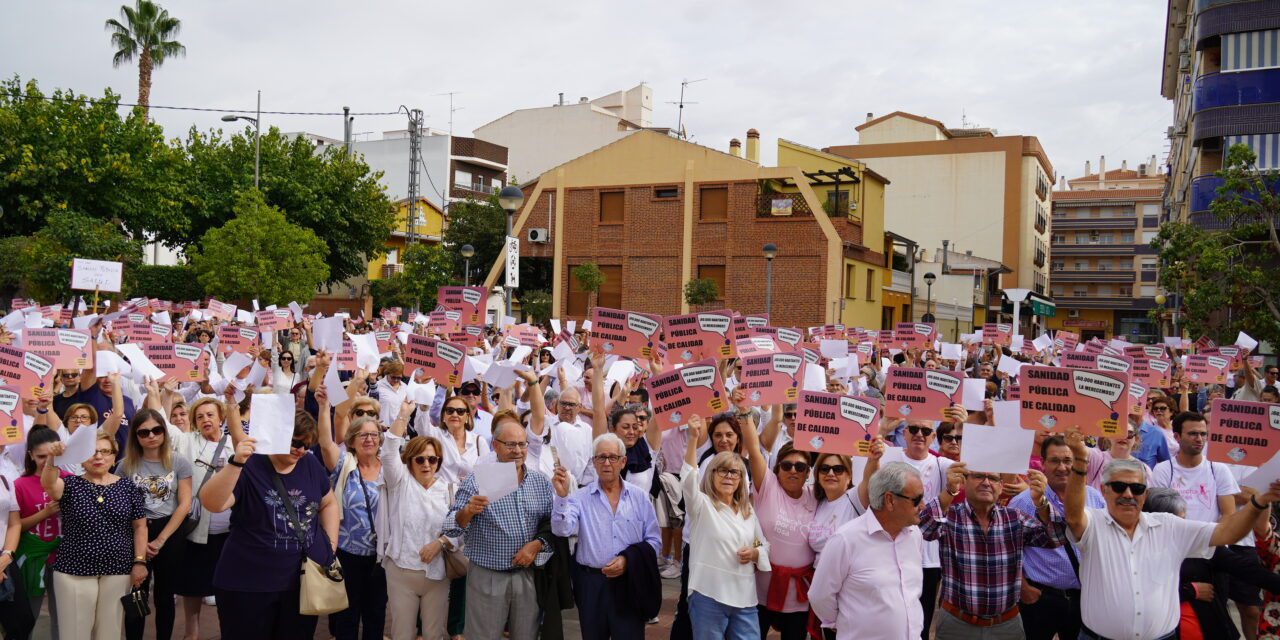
point(680, 118)
point(452, 110)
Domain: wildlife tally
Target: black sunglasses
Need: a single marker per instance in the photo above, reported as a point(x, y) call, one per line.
point(789, 414)
point(455, 411)
point(297, 444)
point(434, 460)
point(797, 467)
point(154, 431)
point(832, 469)
point(364, 413)
point(917, 431)
point(915, 501)
point(951, 438)
point(1136, 488)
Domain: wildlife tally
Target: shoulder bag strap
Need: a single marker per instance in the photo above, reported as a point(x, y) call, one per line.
point(368, 505)
point(208, 473)
point(296, 524)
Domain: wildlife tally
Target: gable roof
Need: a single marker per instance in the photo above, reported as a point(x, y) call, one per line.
point(903, 114)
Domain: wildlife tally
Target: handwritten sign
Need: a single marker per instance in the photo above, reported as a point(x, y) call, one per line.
point(626, 334)
point(467, 301)
point(772, 378)
point(921, 394)
point(698, 336)
point(441, 360)
point(914, 335)
point(999, 334)
point(180, 362)
point(1054, 398)
point(65, 348)
point(11, 420)
point(678, 394)
point(1204, 369)
point(1245, 433)
point(833, 423)
point(25, 370)
point(96, 275)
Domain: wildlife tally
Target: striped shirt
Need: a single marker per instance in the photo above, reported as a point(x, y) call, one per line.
point(495, 535)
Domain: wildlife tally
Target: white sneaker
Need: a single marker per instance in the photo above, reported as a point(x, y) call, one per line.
point(663, 561)
point(671, 571)
point(210, 601)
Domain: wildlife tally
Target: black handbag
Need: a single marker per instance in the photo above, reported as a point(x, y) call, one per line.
point(136, 604)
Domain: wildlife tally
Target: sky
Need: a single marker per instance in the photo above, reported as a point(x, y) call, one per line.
point(1084, 76)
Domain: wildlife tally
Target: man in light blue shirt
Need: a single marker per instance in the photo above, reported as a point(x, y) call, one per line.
point(613, 520)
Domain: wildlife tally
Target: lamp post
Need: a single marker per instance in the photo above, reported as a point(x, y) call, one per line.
point(770, 250)
point(467, 252)
point(928, 301)
point(955, 307)
point(257, 136)
point(510, 199)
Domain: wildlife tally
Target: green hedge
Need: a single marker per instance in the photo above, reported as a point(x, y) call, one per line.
point(177, 283)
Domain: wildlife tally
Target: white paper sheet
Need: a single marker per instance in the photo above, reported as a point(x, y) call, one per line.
point(162, 317)
point(366, 346)
point(107, 362)
point(1016, 342)
point(297, 311)
point(996, 449)
point(333, 386)
point(1245, 341)
point(141, 364)
point(1010, 366)
point(1261, 479)
point(326, 335)
point(268, 339)
point(519, 353)
point(271, 422)
point(80, 447)
point(83, 322)
point(975, 391)
point(833, 348)
point(562, 351)
point(1007, 413)
point(952, 351)
point(501, 375)
point(555, 326)
point(235, 363)
point(1042, 343)
point(619, 373)
point(815, 377)
point(496, 480)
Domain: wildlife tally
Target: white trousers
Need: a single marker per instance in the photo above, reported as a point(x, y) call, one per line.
point(88, 607)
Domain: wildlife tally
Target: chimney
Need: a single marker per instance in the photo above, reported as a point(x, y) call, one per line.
point(944, 255)
point(561, 103)
point(1102, 172)
point(1124, 165)
point(582, 100)
point(753, 145)
point(1088, 167)
point(870, 116)
point(735, 148)
point(1151, 167)
point(1062, 183)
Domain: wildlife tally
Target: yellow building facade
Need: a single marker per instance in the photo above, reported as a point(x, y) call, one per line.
point(430, 229)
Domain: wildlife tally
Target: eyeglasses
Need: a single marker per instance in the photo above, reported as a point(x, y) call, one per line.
point(474, 393)
point(368, 436)
point(148, 433)
point(832, 469)
point(364, 413)
point(297, 444)
point(79, 418)
point(68, 376)
point(985, 477)
point(565, 406)
point(434, 460)
point(514, 446)
point(609, 459)
point(642, 417)
point(286, 358)
point(1273, 372)
point(920, 431)
point(951, 438)
point(105, 453)
point(1136, 488)
point(797, 467)
point(729, 473)
point(1158, 408)
point(455, 411)
point(915, 501)
point(788, 414)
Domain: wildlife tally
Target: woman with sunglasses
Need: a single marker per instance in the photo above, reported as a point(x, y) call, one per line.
point(837, 505)
point(390, 390)
point(104, 542)
point(165, 479)
point(355, 471)
point(411, 546)
point(786, 512)
point(284, 372)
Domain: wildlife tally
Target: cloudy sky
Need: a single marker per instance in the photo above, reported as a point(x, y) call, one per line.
point(1082, 76)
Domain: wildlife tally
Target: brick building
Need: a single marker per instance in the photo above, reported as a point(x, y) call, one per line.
point(655, 212)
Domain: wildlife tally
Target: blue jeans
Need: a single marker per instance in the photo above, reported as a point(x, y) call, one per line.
point(714, 621)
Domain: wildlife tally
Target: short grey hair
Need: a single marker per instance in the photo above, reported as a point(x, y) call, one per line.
point(551, 396)
point(890, 478)
point(1119, 466)
point(608, 438)
point(1165, 500)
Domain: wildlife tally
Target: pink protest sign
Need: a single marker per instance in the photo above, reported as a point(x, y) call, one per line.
point(222, 310)
point(236, 339)
point(1207, 369)
point(1204, 342)
point(268, 321)
point(383, 338)
point(921, 394)
point(1065, 340)
point(914, 335)
point(1145, 351)
point(65, 348)
point(468, 301)
point(784, 335)
point(11, 419)
point(827, 332)
point(757, 345)
point(1101, 361)
point(468, 336)
point(1245, 433)
point(346, 360)
point(680, 393)
point(180, 362)
point(1054, 399)
point(1013, 392)
point(442, 321)
point(1231, 352)
point(884, 339)
point(1153, 372)
point(697, 336)
point(832, 423)
point(999, 334)
point(626, 334)
point(525, 335)
point(25, 370)
point(441, 360)
point(771, 378)
point(1138, 393)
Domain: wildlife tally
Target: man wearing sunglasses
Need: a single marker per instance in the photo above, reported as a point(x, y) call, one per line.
point(1128, 558)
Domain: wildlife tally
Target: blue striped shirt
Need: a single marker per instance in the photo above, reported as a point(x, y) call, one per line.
point(496, 534)
point(602, 533)
point(1052, 566)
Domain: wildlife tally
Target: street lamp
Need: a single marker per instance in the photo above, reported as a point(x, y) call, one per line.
point(510, 199)
point(928, 306)
point(257, 136)
point(770, 250)
point(467, 252)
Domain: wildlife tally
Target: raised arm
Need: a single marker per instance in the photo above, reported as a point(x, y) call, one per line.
point(537, 404)
point(1237, 525)
point(757, 460)
point(218, 494)
point(401, 423)
point(1073, 501)
point(50, 476)
point(772, 427)
point(329, 451)
point(599, 411)
point(873, 465)
point(112, 423)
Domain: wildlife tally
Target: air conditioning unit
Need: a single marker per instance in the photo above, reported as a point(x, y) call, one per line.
point(853, 206)
point(1184, 62)
point(1181, 129)
point(1073, 313)
point(1183, 46)
point(538, 235)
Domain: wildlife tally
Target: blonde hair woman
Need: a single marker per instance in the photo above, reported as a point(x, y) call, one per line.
point(726, 545)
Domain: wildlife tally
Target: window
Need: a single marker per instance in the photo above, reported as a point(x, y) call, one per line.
point(838, 202)
point(1126, 291)
point(1082, 265)
point(1104, 265)
point(610, 294)
point(1106, 238)
point(714, 203)
point(871, 284)
point(612, 207)
point(1058, 238)
point(1126, 237)
point(714, 273)
point(1126, 264)
point(1080, 292)
point(393, 256)
point(1150, 209)
point(1148, 290)
point(1059, 265)
point(462, 178)
point(1057, 292)
point(850, 282)
point(1149, 262)
point(666, 192)
point(1082, 238)
point(1148, 236)
point(1104, 289)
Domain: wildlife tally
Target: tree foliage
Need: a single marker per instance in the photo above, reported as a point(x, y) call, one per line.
point(146, 31)
point(395, 291)
point(1228, 277)
point(481, 224)
point(167, 282)
point(259, 254)
point(43, 261)
point(427, 267)
point(590, 278)
point(700, 291)
point(537, 305)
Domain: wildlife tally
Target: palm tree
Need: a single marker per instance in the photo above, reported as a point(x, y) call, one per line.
point(148, 32)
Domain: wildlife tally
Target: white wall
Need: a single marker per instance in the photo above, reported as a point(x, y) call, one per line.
point(542, 138)
point(899, 130)
point(391, 157)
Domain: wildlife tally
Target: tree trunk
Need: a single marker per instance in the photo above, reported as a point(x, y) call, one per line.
point(144, 82)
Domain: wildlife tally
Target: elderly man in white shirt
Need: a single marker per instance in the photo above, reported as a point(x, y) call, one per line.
point(570, 435)
point(1129, 560)
point(868, 579)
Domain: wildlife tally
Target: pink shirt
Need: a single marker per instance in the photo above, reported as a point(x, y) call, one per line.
point(785, 522)
point(868, 584)
point(31, 499)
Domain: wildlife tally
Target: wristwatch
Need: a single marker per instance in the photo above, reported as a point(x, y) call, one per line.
point(232, 461)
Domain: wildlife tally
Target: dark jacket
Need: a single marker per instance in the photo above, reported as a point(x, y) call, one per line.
point(555, 589)
point(1226, 563)
point(640, 586)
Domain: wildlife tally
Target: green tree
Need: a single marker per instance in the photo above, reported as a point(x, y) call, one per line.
point(147, 32)
point(396, 291)
point(427, 267)
point(537, 305)
point(167, 282)
point(481, 224)
point(700, 291)
point(336, 197)
point(66, 152)
point(259, 254)
point(42, 261)
point(1227, 274)
point(590, 278)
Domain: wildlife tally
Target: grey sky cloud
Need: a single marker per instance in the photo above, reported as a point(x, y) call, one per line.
point(1083, 76)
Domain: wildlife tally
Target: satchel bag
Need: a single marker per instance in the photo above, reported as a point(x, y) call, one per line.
point(323, 591)
point(455, 562)
point(135, 604)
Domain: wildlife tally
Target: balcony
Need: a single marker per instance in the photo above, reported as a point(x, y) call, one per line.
point(1091, 249)
point(1109, 222)
point(476, 187)
point(901, 282)
point(781, 205)
point(1092, 275)
point(1236, 89)
point(1092, 301)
